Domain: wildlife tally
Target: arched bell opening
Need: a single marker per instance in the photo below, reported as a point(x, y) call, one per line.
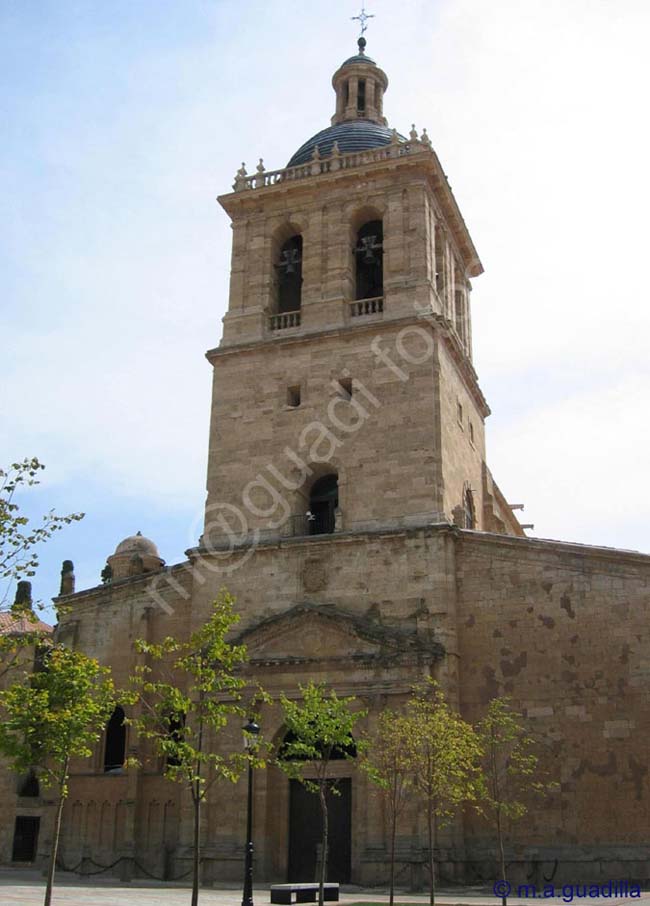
point(288, 268)
point(369, 263)
point(459, 314)
point(469, 509)
point(323, 504)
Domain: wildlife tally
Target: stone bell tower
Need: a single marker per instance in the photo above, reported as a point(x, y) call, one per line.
point(346, 438)
point(347, 347)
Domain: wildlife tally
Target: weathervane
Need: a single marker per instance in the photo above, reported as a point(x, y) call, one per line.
point(363, 18)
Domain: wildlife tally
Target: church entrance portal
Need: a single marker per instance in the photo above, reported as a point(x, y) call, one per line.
point(25, 839)
point(305, 832)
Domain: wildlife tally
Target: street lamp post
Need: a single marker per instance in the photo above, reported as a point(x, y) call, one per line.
point(251, 732)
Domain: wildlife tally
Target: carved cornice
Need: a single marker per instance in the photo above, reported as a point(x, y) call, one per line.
point(305, 178)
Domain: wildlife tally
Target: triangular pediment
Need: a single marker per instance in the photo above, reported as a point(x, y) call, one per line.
point(308, 632)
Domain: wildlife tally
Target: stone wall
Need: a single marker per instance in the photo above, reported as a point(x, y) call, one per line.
point(384, 443)
point(565, 631)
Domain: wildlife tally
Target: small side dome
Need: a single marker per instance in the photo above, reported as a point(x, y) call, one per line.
point(137, 544)
point(134, 556)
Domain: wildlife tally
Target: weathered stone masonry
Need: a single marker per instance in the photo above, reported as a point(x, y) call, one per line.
point(395, 555)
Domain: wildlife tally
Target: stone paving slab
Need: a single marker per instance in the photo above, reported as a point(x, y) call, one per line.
point(27, 889)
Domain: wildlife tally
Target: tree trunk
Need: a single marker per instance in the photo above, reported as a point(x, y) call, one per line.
point(56, 834)
point(323, 861)
point(432, 860)
point(502, 855)
point(197, 793)
point(393, 830)
point(497, 799)
point(196, 855)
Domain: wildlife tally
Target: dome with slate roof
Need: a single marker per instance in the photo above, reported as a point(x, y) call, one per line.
point(358, 123)
point(357, 135)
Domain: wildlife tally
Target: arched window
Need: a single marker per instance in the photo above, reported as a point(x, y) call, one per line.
point(115, 748)
point(323, 503)
point(176, 724)
point(336, 754)
point(289, 268)
point(29, 786)
point(369, 253)
point(468, 509)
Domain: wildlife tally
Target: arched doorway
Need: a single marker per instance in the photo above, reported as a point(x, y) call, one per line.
point(305, 823)
point(305, 832)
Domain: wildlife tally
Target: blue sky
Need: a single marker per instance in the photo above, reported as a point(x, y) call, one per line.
point(124, 121)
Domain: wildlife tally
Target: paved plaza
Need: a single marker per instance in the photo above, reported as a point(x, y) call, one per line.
point(27, 889)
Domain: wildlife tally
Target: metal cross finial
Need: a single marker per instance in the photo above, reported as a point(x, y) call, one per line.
point(363, 18)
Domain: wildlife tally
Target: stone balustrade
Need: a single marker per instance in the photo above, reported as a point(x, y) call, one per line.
point(317, 166)
point(361, 307)
point(285, 320)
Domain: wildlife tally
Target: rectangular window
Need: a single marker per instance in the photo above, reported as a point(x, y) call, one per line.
point(293, 396)
point(345, 388)
point(471, 433)
point(440, 265)
point(459, 413)
point(25, 846)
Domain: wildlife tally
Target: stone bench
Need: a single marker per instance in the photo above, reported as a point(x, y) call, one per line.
point(304, 893)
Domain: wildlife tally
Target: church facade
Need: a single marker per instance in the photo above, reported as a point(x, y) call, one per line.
point(351, 512)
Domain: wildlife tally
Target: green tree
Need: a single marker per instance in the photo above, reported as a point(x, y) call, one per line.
point(320, 728)
point(185, 702)
point(386, 760)
point(510, 768)
point(52, 716)
point(18, 540)
point(19, 557)
point(445, 753)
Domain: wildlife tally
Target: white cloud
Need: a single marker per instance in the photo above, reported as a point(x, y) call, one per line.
point(118, 256)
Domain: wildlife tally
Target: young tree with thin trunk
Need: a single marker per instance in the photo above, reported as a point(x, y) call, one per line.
point(510, 768)
point(320, 729)
point(387, 763)
point(52, 716)
point(445, 753)
point(19, 542)
point(185, 701)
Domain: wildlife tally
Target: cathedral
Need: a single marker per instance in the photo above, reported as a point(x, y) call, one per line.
point(352, 514)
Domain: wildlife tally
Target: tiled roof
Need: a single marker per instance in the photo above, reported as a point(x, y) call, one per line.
point(357, 135)
point(10, 624)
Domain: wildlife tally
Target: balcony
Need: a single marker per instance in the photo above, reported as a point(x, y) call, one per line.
point(284, 321)
point(361, 308)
